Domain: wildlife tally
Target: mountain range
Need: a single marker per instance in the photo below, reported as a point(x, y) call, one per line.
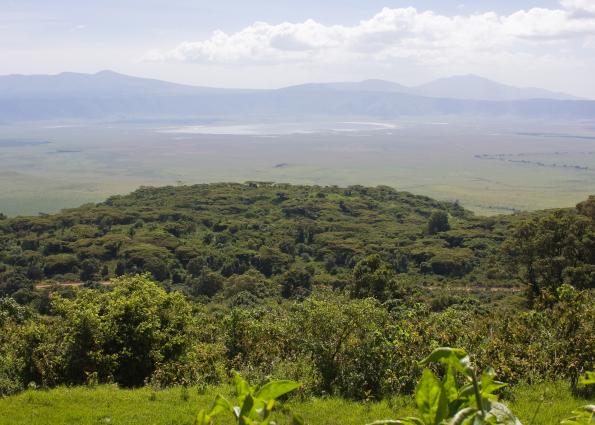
point(108, 95)
point(471, 87)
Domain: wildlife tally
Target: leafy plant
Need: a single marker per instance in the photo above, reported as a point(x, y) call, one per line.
point(255, 404)
point(441, 402)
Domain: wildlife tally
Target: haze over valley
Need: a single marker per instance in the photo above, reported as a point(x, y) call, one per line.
point(72, 138)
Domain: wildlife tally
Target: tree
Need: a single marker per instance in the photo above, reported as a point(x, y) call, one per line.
point(120, 269)
point(208, 283)
point(552, 249)
point(12, 281)
point(89, 269)
point(60, 264)
point(296, 281)
point(196, 265)
point(587, 208)
point(438, 222)
point(372, 277)
point(123, 334)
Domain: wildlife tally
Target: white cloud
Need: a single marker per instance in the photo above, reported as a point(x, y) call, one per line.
point(580, 7)
point(393, 35)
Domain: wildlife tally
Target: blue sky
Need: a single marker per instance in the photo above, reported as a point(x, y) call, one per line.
point(545, 43)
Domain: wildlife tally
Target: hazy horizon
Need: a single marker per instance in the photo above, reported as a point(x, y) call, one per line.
point(306, 82)
point(546, 44)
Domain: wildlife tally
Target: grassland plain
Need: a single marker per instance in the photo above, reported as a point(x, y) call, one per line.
point(489, 167)
point(540, 404)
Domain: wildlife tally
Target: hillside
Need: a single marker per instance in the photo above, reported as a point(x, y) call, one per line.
point(177, 233)
point(341, 289)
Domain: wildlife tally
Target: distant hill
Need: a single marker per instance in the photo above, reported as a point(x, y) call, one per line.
point(478, 88)
point(469, 87)
point(111, 96)
point(366, 85)
point(103, 83)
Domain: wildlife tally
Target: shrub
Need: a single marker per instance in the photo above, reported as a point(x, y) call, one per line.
point(438, 222)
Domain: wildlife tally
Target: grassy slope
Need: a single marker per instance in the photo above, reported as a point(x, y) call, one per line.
point(109, 405)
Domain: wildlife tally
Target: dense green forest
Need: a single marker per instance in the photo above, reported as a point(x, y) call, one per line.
point(199, 239)
point(341, 289)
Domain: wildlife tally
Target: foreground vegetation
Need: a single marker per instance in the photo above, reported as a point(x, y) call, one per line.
point(135, 332)
point(340, 289)
point(547, 402)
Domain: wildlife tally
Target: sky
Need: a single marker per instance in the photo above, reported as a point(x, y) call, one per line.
point(274, 43)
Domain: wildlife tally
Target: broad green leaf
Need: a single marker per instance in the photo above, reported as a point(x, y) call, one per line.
point(441, 353)
point(267, 409)
point(244, 420)
point(202, 418)
point(241, 386)
point(488, 385)
point(220, 405)
point(431, 399)
point(488, 376)
point(488, 392)
point(276, 389)
point(247, 407)
point(455, 357)
point(466, 391)
point(450, 385)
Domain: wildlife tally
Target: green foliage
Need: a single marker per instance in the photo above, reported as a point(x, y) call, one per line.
point(443, 401)
point(537, 345)
point(297, 236)
point(337, 288)
point(12, 318)
point(438, 222)
point(355, 348)
point(373, 277)
point(553, 249)
point(123, 335)
point(60, 264)
point(296, 281)
point(255, 405)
